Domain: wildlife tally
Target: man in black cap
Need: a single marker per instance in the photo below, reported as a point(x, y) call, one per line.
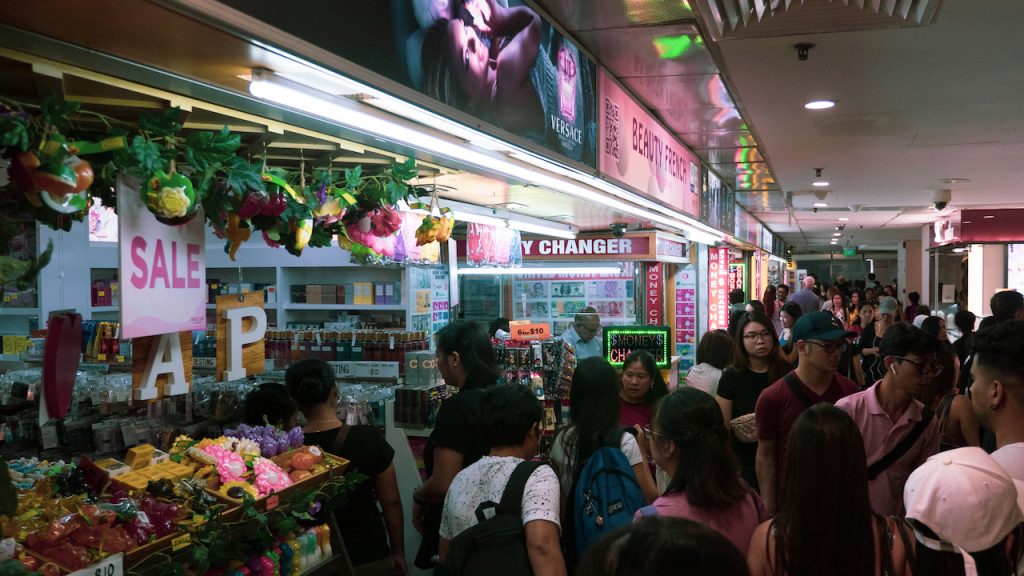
point(820, 340)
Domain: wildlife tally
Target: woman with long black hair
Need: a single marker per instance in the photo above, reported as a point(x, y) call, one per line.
point(824, 523)
point(757, 363)
point(642, 387)
point(594, 417)
point(468, 363)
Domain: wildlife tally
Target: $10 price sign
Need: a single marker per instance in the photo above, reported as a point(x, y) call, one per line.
point(534, 331)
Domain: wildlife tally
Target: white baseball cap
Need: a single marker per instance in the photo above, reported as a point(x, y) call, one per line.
point(966, 498)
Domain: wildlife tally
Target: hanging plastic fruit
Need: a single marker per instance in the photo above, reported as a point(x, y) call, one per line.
point(170, 197)
point(236, 234)
point(446, 223)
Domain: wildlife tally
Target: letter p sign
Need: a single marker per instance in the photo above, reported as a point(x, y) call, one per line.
point(237, 338)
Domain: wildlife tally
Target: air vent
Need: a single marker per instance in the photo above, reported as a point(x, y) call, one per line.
point(734, 19)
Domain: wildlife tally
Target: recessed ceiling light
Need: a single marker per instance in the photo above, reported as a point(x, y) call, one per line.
point(966, 222)
point(820, 104)
point(844, 219)
point(833, 243)
point(989, 217)
point(954, 180)
point(820, 183)
point(837, 234)
point(821, 204)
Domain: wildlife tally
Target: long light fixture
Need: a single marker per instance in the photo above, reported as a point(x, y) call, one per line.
point(470, 213)
point(265, 85)
point(546, 271)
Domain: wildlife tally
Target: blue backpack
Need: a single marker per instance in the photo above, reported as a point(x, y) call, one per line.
point(605, 496)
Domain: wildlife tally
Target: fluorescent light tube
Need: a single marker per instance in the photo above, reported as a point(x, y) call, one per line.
point(546, 271)
point(267, 86)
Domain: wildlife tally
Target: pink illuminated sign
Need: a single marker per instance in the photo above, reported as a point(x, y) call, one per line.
point(638, 152)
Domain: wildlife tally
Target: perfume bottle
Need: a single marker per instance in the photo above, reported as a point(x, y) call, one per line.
point(567, 84)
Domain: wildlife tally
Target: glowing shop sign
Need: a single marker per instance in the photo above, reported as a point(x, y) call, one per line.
point(621, 341)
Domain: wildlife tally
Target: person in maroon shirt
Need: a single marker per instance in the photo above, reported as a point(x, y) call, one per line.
point(642, 387)
point(820, 339)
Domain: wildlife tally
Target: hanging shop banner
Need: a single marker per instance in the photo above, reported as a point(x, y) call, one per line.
point(686, 315)
point(641, 154)
point(737, 276)
point(718, 288)
point(654, 289)
point(488, 245)
point(163, 276)
point(620, 341)
point(506, 66)
point(717, 203)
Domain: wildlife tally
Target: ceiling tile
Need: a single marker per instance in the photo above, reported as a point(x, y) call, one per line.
point(702, 119)
point(577, 15)
point(689, 91)
point(650, 51)
point(735, 139)
point(763, 201)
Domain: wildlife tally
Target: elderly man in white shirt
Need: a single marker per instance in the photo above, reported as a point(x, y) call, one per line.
point(582, 334)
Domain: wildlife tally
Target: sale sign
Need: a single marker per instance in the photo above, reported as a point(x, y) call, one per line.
point(530, 331)
point(718, 288)
point(163, 277)
point(638, 152)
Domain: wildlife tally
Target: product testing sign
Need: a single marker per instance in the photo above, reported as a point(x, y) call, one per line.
point(163, 276)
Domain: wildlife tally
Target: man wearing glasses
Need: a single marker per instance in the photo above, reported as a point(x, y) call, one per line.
point(582, 334)
point(820, 340)
point(899, 432)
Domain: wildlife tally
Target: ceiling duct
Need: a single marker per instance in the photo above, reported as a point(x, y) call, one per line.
point(735, 19)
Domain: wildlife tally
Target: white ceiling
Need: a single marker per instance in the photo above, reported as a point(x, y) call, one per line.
point(914, 106)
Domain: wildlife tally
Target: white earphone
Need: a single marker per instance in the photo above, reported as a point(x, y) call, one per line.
point(893, 368)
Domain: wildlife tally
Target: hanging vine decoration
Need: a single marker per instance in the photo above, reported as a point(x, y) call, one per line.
point(180, 173)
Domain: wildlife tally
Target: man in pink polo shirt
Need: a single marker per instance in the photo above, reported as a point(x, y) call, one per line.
point(899, 432)
point(820, 340)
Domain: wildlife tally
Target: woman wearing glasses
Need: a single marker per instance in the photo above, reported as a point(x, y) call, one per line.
point(757, 363)
point(690, 442)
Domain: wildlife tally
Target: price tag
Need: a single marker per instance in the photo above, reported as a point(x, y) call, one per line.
point(272, 502)
point(109, 566)
point(88, 367)
point(181, 542)
point(534, 331)
point(120, 359)
point(101, 357)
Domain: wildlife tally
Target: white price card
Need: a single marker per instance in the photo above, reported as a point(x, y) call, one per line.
point(109, 566)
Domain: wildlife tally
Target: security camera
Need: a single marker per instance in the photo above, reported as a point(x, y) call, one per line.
point(941, 199)
point(618, 230)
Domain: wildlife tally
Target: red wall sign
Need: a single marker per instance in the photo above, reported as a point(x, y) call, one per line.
point(718, 288)
point(599, 247)
point(654, 293)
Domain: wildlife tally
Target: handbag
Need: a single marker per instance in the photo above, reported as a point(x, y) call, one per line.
point(745, 428)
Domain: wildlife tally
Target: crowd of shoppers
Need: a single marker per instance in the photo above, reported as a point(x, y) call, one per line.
point(763, 454)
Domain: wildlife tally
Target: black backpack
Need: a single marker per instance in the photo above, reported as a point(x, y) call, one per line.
point(496, 545)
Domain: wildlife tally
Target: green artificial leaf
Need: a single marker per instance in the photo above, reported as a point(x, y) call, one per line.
point(161, 124)
point(405, 171)
point(14, 133)
point(200, 555)
point(241, 175)
point(285, 525)
point(58, 113)
point(320, 237)
point(171, 569)
point(208, 149)
point(353, 177)
point(22, 273)
point(147, 155)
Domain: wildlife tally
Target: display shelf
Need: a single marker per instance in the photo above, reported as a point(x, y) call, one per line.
point(349, 307)
point(19, 311)
point(104, 309)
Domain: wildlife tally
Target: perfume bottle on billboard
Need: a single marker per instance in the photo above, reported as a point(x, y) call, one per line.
point(567, 84)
